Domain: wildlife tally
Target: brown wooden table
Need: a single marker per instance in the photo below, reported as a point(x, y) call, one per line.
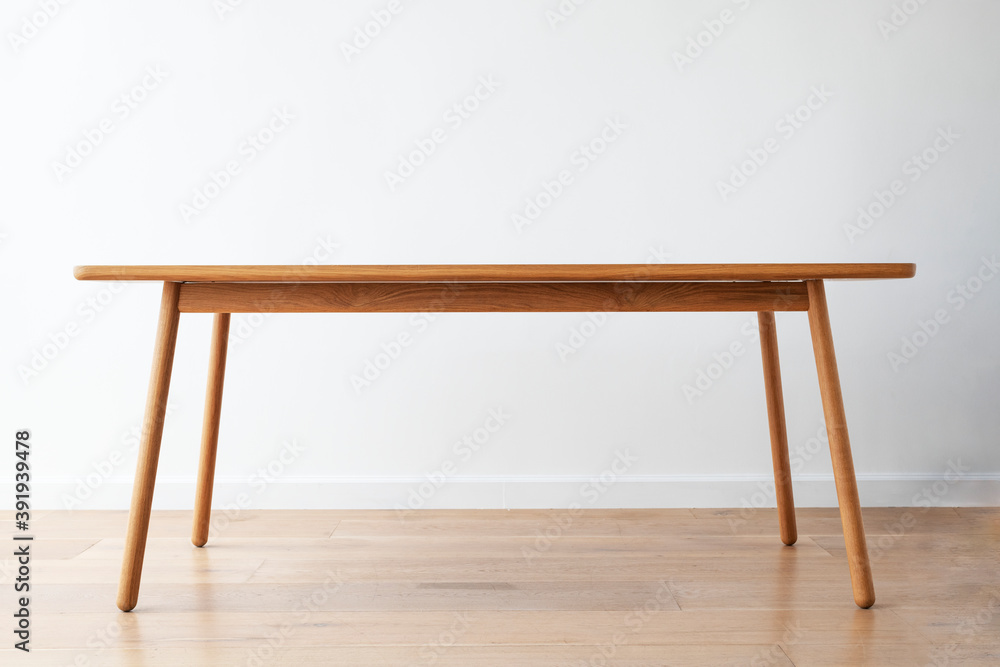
point(476, 288)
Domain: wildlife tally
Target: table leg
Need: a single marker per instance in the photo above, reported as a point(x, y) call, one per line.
point(210, 429)
point(149, 448)
point(840, 446)
point(776, 420)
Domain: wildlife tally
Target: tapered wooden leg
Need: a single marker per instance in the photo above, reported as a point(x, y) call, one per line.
point(210, 429)
point(840, 446)
point(149, 448)
point(776, 419)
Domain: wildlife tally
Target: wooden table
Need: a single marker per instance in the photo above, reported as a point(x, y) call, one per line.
point(760, 288)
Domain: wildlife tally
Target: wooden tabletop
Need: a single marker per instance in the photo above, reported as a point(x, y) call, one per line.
point(498, 272)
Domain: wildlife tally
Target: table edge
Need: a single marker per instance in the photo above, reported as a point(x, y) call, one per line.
point(417, 273)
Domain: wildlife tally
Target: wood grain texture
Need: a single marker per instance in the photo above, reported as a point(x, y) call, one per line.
point(499, 272)
point(149, 448)
point(763, 288)
point(540, 297)
point(776, 421)
point(467, 597)
point(210, 429)
point(840, 446)
point(491, 655)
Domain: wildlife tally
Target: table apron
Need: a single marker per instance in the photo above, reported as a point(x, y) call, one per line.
point(489, 297)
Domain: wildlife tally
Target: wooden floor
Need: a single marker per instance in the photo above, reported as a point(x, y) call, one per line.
point(531, 587)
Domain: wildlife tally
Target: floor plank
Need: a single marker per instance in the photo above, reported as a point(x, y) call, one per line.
point(524, 587)
point(412, 656)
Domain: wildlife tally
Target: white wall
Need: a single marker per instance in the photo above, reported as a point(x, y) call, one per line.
point(318, 190)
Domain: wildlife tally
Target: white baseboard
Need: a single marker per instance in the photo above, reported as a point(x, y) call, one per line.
point(518, 491)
